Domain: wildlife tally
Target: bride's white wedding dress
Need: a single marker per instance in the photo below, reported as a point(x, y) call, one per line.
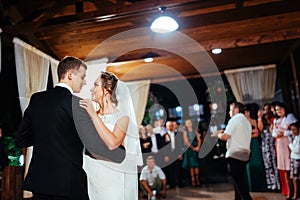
point(111, 181)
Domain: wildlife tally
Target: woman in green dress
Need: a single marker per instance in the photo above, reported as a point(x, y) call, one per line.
point(255, 167)
point(190, 161)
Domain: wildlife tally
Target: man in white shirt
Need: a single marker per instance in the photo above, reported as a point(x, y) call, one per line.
point(238, 137)
point(153, 178)
point(172, 155)
point(156, 139)
point(160, 128)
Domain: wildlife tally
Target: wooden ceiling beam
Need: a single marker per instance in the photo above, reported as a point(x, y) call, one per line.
point(256, 11)
point(142, 9)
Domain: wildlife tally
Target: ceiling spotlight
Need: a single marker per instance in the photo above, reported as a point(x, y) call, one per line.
point(216, 51)
point(164, 23)
point(148, 60)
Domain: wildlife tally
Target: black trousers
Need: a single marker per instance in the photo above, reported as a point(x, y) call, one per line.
point(237, 170)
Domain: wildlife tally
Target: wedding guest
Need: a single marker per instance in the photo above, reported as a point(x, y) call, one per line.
point(281, 134)
point(153, 178)
point(255, 168)
point(172, 155)
point(238, 136)
point(160, 127)
point(156, 139)
point(145, 141)
point(190, 157)
point(295, 158)
point(264, 122)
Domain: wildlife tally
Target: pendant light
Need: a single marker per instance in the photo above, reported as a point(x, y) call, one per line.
point(164, 23)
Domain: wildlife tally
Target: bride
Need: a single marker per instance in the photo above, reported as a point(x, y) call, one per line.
point(115, 123)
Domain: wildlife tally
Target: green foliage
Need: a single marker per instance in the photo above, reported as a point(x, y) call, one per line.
point(13, 152)
point(151, 101)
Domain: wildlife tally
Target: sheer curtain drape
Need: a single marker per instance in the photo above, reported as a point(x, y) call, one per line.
point(54, 64)
point(252, 84)
point(139, 91)
point(32, 68)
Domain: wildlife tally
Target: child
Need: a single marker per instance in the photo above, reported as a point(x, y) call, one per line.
point(295, 157)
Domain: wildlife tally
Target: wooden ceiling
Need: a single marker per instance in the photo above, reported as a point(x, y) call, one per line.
point(250, 32)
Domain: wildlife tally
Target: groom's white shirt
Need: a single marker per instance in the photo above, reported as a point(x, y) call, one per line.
point(65, 86)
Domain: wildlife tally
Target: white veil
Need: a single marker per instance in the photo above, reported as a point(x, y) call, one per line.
point(131, 141)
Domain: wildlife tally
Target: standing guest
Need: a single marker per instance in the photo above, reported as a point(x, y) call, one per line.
point(172, 155)
point(273, 111)
point(4, 161)
point(160, 127)
point(255, 167)
point(264, 121)
point(156, 139)
point(153, 178)
point(281, 134)
point(295, 158)
point(145, 141)
point(238, 136)
point(55, 170)
point(192, 140)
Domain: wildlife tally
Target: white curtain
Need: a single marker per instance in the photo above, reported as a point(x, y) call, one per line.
point(253, 84)
point(32, 68)
point(139, 91)
point(54, 64)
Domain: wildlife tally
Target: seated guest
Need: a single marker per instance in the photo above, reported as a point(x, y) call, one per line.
point(153, 179)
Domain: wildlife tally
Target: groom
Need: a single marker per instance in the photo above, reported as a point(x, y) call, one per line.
point(55, 171)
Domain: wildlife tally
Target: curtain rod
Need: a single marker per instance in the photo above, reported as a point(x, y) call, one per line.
point(185, 77)
point(249, 69)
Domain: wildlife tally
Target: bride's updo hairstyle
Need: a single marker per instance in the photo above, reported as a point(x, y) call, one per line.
point(109, 82)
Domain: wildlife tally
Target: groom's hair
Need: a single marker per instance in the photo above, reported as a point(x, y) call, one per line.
point(69, 63)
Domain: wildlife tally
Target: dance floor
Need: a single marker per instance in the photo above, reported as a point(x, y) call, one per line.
point(215, 191)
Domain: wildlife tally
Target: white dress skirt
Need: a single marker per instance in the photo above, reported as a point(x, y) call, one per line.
point(112, 181)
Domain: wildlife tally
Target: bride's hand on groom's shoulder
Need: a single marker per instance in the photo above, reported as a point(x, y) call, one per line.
point(88, 106)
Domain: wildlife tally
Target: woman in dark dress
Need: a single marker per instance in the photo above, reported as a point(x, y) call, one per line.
point(264, 121)
point(255, 167)
point(146, 143)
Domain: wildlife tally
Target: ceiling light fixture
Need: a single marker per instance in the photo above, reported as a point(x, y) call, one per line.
point(164, 23)
point(216, 51)
point(148, 60)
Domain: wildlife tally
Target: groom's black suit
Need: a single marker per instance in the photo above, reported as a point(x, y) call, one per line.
point(56, 164)
point(55, 126)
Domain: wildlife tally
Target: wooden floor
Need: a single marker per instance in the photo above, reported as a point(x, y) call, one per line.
point(215, 191)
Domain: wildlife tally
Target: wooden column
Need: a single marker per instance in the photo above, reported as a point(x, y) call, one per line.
point(11, 184)
point(295, 82)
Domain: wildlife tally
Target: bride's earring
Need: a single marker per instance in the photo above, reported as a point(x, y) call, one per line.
point(105, 97)
point(97, 106)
